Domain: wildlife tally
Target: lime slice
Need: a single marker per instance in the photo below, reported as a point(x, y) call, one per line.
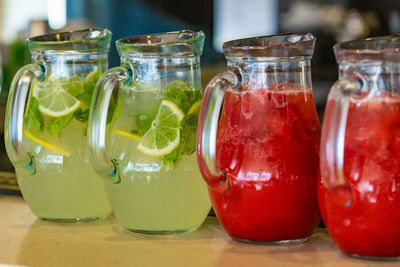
point(164, 134)
point(45, 144)
point(54, 99)
point(124, 133)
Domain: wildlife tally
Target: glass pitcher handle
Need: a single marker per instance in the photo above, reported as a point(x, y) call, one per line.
point(98, 119)
point(13, 128)
point(207, 129)
point(333, 141)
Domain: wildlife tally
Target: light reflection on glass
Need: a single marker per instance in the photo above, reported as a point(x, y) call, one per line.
point(52, 159)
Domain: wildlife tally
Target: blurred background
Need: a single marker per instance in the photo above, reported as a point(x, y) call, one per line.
point(331, 21)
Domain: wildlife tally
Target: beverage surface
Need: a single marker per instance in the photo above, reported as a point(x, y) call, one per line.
point(369, 224)
point(267, 144)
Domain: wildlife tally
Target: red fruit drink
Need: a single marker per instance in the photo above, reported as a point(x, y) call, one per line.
point(268, 146)
point(370, 224)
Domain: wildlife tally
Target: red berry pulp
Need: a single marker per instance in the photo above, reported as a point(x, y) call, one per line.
point(268, 146)
point(370, 224)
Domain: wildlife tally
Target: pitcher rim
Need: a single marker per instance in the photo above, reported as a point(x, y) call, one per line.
point(379, 48)
point(163, 44)
point(284, 45)
point(197, 35)
point(58, 41)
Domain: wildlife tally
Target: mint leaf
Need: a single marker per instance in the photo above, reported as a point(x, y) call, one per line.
point(33, 119)
point(194, 95)
point(85, 97)
point(189, 134)
point(182, 95)
point(188, 142)
point(81, 115)
point(60, 123)
point(179, 97)
point(172, 158)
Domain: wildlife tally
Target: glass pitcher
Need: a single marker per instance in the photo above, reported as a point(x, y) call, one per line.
point(47, 142)
point(154, 183)
point(258, 140)
point(359, 193)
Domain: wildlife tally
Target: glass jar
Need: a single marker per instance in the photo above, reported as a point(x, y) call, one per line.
point(258, 140)
point(47, 142)
point(149, 157)
point(359, 190)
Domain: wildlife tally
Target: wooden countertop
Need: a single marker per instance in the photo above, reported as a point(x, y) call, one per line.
point(26, 241)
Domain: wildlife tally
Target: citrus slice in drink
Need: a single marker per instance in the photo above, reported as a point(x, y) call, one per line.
point(195, 108)
point(46, 144)
point(75, 86)
point(54, 99)
point(164, 134)
point(127, 134)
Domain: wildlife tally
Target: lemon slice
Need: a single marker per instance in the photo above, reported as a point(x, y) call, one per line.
point(54, 99)
point(164, 135)
point(195, 108)
point(120, 132)
point(45, 144)
point(75, 86)
point(92, 78)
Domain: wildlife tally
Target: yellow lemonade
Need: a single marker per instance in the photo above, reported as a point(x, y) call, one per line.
point(161, 190)
point(61, 184)
point(46, 124)
point(64, 187)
